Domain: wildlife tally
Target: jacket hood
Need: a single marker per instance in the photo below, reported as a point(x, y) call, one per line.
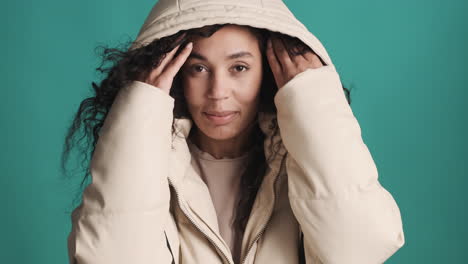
point(167, 17)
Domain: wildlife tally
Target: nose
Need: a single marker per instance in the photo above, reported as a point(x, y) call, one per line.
point(218, 87)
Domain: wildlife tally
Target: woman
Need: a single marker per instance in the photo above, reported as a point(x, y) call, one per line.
point(264, 162)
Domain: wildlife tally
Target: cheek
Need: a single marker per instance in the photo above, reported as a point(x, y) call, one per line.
point(250, 88)
point(193, 93)
point(247, 97)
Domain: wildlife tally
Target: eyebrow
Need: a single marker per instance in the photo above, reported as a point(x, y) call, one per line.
point(230, 57)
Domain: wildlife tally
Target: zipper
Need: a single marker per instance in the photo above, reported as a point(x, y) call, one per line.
point(182, 208)
point(226, 258)
point(257, 237)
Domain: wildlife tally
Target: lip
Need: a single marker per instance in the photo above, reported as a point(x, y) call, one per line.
point(221, 118)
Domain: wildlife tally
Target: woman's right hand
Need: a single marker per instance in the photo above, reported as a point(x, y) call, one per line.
point(163, 75)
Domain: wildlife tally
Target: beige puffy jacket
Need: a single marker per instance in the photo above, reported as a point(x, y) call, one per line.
point(320, 200)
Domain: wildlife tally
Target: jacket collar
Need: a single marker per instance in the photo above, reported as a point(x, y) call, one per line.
point(193, 192)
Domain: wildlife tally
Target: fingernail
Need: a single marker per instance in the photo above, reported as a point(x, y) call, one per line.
point(189, 45)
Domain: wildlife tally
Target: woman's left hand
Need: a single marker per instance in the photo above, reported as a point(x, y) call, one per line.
point(284, 65)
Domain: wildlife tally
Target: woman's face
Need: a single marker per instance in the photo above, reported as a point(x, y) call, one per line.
point(221, 80)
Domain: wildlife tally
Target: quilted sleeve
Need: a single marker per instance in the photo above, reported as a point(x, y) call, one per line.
point(126, 207)
point(344, 212)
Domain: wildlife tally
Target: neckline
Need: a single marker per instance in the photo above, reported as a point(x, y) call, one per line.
point(207, 156)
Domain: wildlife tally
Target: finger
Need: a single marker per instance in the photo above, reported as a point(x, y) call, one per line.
point(302, 50)
point(309, 55)
point(281, 53)
point(272, 60)
point(167, 58)
point(181, 37)
point(174, 66)
point(313, 59)
point(301, 62)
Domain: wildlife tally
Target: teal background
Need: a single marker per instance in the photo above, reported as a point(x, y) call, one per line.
point(405, 62)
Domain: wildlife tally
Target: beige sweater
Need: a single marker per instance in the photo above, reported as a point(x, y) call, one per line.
point(222, 177)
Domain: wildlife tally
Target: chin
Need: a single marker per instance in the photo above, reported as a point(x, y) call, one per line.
point(220, 132)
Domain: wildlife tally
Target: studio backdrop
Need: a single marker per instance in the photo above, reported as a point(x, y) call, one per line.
point(403, 61)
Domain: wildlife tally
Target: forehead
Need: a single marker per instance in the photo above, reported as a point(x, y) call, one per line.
point(225, 41)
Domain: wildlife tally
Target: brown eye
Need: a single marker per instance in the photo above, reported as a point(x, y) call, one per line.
point(197, 68)
point(240, 68)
